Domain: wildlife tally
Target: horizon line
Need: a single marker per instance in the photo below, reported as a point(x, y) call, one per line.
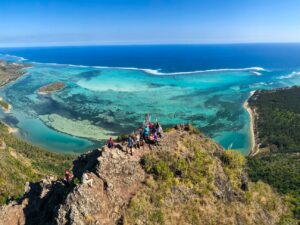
point(142, 44)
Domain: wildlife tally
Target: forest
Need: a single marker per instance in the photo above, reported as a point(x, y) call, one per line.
point(278, 119)
point(277, 123)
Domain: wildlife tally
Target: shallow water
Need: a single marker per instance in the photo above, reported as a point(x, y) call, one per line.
point(100, 102)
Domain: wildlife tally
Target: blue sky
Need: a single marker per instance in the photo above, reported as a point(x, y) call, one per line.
point(92, 22)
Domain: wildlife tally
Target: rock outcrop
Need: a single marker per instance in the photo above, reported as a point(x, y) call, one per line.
point(120, 182)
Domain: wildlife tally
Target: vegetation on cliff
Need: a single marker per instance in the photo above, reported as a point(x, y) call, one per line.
point(277, 122)
point(196, 182)
point(21, 162)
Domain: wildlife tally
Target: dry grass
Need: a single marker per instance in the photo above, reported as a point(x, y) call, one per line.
point(181, 189)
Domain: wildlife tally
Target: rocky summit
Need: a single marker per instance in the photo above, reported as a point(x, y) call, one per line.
point(185, 179)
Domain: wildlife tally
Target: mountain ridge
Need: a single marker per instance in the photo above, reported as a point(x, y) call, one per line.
point(186, 179)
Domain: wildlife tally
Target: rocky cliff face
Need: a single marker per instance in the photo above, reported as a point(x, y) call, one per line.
point(186, 179)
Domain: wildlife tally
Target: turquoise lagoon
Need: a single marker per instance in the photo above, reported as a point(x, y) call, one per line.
point(99, 102)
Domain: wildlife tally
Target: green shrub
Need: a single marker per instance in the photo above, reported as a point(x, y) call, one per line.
point(157, 217)
point(192, 129)
point(233, 159)
point(122, 137)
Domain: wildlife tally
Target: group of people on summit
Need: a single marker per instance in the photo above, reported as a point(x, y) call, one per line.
point(148, 134)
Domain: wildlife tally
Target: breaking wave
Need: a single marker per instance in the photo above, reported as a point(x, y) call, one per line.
point(254, 70)
point(289, 76)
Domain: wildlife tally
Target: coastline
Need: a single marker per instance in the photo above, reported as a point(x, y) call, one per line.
point(6, 107)
point(254, 147)
point(10, 73)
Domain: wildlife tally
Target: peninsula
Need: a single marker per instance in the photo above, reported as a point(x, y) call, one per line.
point(11, 71)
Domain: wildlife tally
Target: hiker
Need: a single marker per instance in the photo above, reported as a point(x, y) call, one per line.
point(159, 129)
point(110, 143)
point(155, 138)
point(129, 144)
point(68, 176)
point(142, 143)
point(137, 140)
point(147, 120)
point(151, 127)
point(146, 133)
point(142, 140)
point(151, 139)
point(85, 180)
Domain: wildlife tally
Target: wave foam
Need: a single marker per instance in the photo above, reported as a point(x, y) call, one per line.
point(254, 70)
point(289, 76)
point(256, 73)
point(157, 71)
point(17, 58)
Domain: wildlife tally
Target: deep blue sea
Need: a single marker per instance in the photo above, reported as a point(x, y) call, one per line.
point(109, 89)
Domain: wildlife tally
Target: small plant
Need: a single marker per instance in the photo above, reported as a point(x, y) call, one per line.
point(157, 217)
point(122, 137)
point(233, 159)
point(76, 181)
point(192, 129)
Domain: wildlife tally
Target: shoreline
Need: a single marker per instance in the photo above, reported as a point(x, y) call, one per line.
point(254, 147)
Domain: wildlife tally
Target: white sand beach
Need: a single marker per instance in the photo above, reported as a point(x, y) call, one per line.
point(254, 148)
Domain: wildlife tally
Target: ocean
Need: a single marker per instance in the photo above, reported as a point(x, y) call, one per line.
point(109, 89)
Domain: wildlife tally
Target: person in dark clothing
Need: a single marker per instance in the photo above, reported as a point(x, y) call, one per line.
point(110, 143)
point(129, 144)
point(68, 176)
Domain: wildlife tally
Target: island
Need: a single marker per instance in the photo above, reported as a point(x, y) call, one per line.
point(49, 88)
point(5, 106)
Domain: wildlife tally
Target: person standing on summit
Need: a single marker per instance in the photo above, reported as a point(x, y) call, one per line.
point(129, 144)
